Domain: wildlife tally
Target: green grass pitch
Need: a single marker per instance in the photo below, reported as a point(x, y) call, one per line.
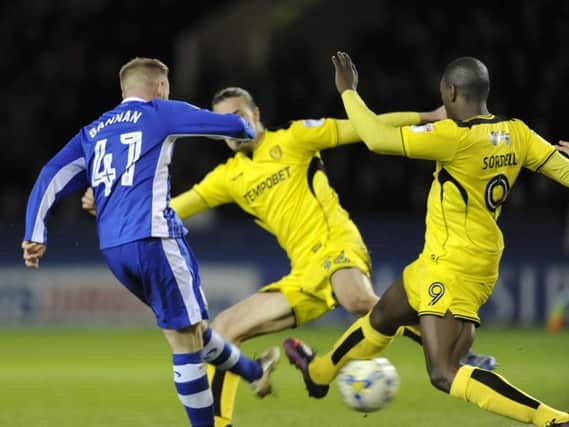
point(123, 378)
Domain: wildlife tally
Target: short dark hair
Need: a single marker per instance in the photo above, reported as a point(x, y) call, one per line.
point(470, 76)
point(233, 92)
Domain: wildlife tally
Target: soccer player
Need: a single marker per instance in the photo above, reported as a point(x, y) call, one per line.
point(478, 158)
point(279, 179)
point(125, 155)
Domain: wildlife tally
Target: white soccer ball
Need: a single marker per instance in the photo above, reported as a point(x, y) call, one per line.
point(368, 385)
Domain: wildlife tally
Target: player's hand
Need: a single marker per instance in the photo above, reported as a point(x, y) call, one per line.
point(563, 146)
point(346, 73)
point(32, 253)
point(88, 202)
point(434, 116)
point(439, 114)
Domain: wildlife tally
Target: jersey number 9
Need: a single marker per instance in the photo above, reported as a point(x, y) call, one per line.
point(497, 192)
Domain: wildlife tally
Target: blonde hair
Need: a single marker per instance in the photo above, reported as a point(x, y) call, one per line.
point(142, 71)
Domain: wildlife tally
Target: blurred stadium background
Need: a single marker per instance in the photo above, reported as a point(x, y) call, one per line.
point(59, 65)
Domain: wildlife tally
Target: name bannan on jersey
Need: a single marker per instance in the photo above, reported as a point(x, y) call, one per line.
point(122, 117)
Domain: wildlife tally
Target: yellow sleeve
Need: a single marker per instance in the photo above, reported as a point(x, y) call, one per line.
point(378, 137)
point(210, 192)
point(556, 167)
point(539, 150)
point(314, 135)
point(432, 141)
point(348, 135)
point(188, 204)
point(398, 119)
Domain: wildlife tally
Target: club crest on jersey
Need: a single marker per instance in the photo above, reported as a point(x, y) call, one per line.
point(313, 123)
point(276, 152)
point(498, 137)
point(429, 127)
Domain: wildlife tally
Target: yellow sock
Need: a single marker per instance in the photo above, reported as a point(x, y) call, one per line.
point(224, 389)
point(493, 393)
point(360, 341)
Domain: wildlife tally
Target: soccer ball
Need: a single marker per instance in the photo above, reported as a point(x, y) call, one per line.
point(368, 385)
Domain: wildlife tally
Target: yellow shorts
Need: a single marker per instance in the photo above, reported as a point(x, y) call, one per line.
point(308, 289)
point(432, 289)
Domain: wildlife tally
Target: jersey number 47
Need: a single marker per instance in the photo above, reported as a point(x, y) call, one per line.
point(103, 170)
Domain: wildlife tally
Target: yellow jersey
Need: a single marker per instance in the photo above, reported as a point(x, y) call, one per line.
point(285, 188)
point(477, 163)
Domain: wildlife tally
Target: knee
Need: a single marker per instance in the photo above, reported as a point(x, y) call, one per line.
point(441, 378)
point(227, 327)
point(381, 319)
point(359, 304)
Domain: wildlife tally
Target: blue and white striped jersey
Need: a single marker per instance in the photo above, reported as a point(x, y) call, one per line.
point(125, 156)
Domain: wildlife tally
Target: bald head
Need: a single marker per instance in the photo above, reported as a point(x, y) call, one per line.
point(470, 78)
point(145, 78)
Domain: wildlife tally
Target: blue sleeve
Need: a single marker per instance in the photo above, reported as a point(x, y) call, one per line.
point(186, 119)
point(63, 174)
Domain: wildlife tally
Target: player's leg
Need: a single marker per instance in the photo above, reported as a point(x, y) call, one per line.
point(355, 293)
point(353, 290)
point(226, 356)
point(190, 376)
point(444, 340)
point(157, 272)
point(259, 314)
point(368, 336)
point(191, 381)
point(173, 289)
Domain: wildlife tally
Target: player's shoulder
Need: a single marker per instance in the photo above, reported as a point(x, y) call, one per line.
point(446, 126)
point(115, 116)
point(488, 123)
point(234, 162)
point(500, 123)
point(518, 124)
point(301, 129)
point(489, 119)
point(173, 104)
point(308, 124)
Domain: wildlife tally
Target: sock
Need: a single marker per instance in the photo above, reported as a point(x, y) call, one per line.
point(224, 389)
point(193, 388)
point(227, 357)
point(493, 393)
point(360, 341)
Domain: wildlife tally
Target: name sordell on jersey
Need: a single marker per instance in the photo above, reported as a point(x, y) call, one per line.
point(500, 160)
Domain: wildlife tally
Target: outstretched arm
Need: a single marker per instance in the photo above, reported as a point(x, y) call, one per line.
point(378, 136)
point(188, 204)
point(557, 166)
point(348, 135)
point(210, 192)
point(188, 120)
